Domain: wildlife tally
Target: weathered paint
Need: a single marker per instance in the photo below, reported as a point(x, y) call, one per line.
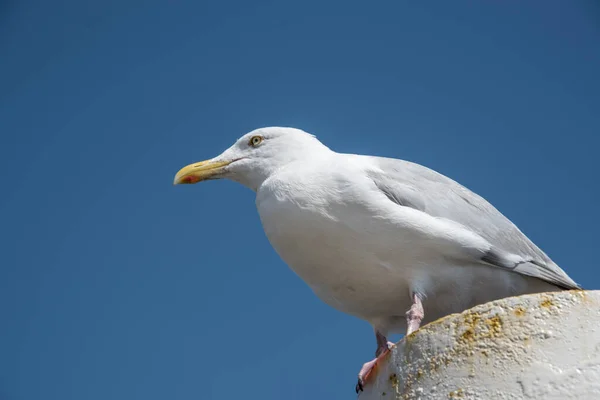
point(541, 346)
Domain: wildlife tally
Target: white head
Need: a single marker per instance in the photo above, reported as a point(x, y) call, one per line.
point(254, 157)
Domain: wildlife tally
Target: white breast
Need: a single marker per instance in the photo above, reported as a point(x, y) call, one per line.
point(329, 242)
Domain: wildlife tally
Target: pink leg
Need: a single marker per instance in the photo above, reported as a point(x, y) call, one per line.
point(383, 347)
point(415, 315)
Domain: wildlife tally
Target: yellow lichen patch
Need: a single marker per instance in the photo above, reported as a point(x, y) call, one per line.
point(456, 394)
point(519, 311)
point(470, 320)
point(546, 303)
point(394, 380)
point(495, 325)
point(468, 335)
point(408, 381)
point(432, 363)
point(478, 328)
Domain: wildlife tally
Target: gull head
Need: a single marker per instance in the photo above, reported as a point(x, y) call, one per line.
point(255, 156)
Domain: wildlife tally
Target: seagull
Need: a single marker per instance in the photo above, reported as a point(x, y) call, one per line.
point(388, 241)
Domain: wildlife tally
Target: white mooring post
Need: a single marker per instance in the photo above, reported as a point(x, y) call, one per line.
point(541, 346)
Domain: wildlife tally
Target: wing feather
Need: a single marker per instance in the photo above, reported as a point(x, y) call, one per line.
point(412, 185)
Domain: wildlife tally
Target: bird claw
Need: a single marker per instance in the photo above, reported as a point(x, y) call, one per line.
point(359, 386)
point(368, 367)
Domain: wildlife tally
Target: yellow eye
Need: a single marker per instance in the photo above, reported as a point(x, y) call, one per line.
point(255, 140)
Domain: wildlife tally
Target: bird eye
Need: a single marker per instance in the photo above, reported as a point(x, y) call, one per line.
point(255, 141)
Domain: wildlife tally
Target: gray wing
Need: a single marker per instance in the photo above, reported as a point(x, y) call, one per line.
point(412, 185)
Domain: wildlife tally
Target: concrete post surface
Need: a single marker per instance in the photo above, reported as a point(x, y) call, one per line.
point(540, 346)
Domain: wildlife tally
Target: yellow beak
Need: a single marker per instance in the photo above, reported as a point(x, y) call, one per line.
point(199, 171)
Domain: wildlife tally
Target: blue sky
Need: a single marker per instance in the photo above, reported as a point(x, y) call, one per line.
point(116, 285)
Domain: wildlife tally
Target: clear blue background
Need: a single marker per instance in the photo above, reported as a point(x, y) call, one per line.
point(116, 285)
